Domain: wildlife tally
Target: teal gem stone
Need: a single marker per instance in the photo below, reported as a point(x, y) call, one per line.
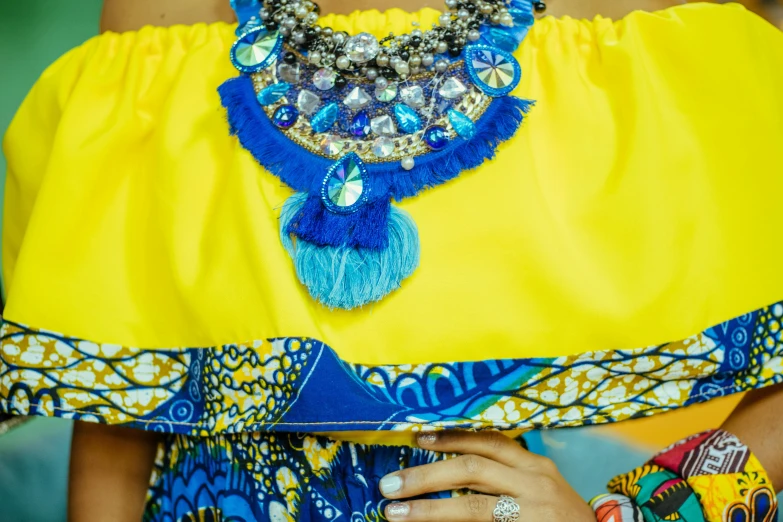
point(344, 187)
point(273, 93)
point(493, 70)
point(256, 49)
point(407, 119)
point(463, 126)
point(325, 118)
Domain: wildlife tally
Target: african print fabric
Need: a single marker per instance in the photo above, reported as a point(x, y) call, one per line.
point(616, 508)
point(278, 477)
point(728, 479)
point(285, 384)
point(712, 476)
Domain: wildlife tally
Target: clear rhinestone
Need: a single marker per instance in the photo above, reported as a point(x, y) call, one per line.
point(323, 79)
point(412, 96)
point(307, 102)
point(357, 99)
point(362, 48)
point(383, 147)
point(345, 184)
point(332, 145)
point(386, 94)
point(383, 126)
point(452, 88)
point(291, 73)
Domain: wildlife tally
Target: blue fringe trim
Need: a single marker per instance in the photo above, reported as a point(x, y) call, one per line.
point(365, 228)
point(304, 171)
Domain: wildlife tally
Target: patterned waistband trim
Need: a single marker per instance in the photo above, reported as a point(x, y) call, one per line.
point(295, 384)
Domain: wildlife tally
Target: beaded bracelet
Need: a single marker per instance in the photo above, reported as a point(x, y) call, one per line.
point(711, 477)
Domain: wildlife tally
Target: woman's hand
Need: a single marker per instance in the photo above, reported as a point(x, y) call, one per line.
point(489, 463)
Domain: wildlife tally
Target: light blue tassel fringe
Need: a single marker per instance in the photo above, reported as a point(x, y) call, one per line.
point(345, 277)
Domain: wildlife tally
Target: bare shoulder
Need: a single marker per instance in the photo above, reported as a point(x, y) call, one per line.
point(130, 15)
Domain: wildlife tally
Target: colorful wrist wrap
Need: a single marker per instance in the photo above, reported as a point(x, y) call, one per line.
point(710, 477)
point(616, 508)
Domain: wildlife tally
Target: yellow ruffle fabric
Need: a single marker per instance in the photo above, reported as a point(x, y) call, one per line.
point(639, 204)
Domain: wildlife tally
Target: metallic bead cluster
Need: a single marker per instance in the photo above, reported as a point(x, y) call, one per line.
point(395, 57)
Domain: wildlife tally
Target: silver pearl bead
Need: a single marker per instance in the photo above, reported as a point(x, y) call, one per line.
point(301, 11)
point(507, 20)
point(315, 58)
point(495, 18)
point(474, 35)
point(444, 20)
point(417, 32)
point(463, 14)
point(327, 31)
point(338, 38)
point(328, 59)
point(343, 62)
point(441, 66)
point(485, 8)
point(442, 47)
point(427, 59)
point(264, 14)
point(289, 23)
point(394, 61)
point(451, 4)
point(371, 74)
point(381, 82)
point(415, 61)
point(311, 19)
point(382, 60)
point(408, 163)
point(402, 68)
point(299, 37)
point(285, 31)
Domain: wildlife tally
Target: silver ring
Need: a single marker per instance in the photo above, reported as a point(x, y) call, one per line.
point(506, 510)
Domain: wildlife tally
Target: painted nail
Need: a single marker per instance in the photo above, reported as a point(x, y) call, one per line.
point(390, 484)
point(398, 509)
point(427, 438)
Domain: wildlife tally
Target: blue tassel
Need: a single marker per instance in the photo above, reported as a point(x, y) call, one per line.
point(345, 277)
point(365, 228)
point(304, 171)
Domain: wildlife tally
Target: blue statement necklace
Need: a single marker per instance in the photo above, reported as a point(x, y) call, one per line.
point(352, 122)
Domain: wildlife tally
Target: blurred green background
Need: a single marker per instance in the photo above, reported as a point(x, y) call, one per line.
point(34, 457)
point(33, 33)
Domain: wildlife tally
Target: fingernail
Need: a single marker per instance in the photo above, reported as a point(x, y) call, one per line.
point(398, 509)
point(390, 484)
point(427, 438)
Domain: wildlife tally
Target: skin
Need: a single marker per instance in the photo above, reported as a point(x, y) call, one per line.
point(117, 462)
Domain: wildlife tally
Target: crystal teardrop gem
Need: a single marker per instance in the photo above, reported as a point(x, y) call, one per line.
point(357, 99)
point(307, 102)
point(436, 137)
point(362, 48)
point(273, 93)
point(285, 116)
point(344, 187)
point(492, 70)
point(256, 49)
point(360, 126)
point(324, 119)
point(463, 126)
point(413, 96)
point(452, 89)
point(408, 120)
